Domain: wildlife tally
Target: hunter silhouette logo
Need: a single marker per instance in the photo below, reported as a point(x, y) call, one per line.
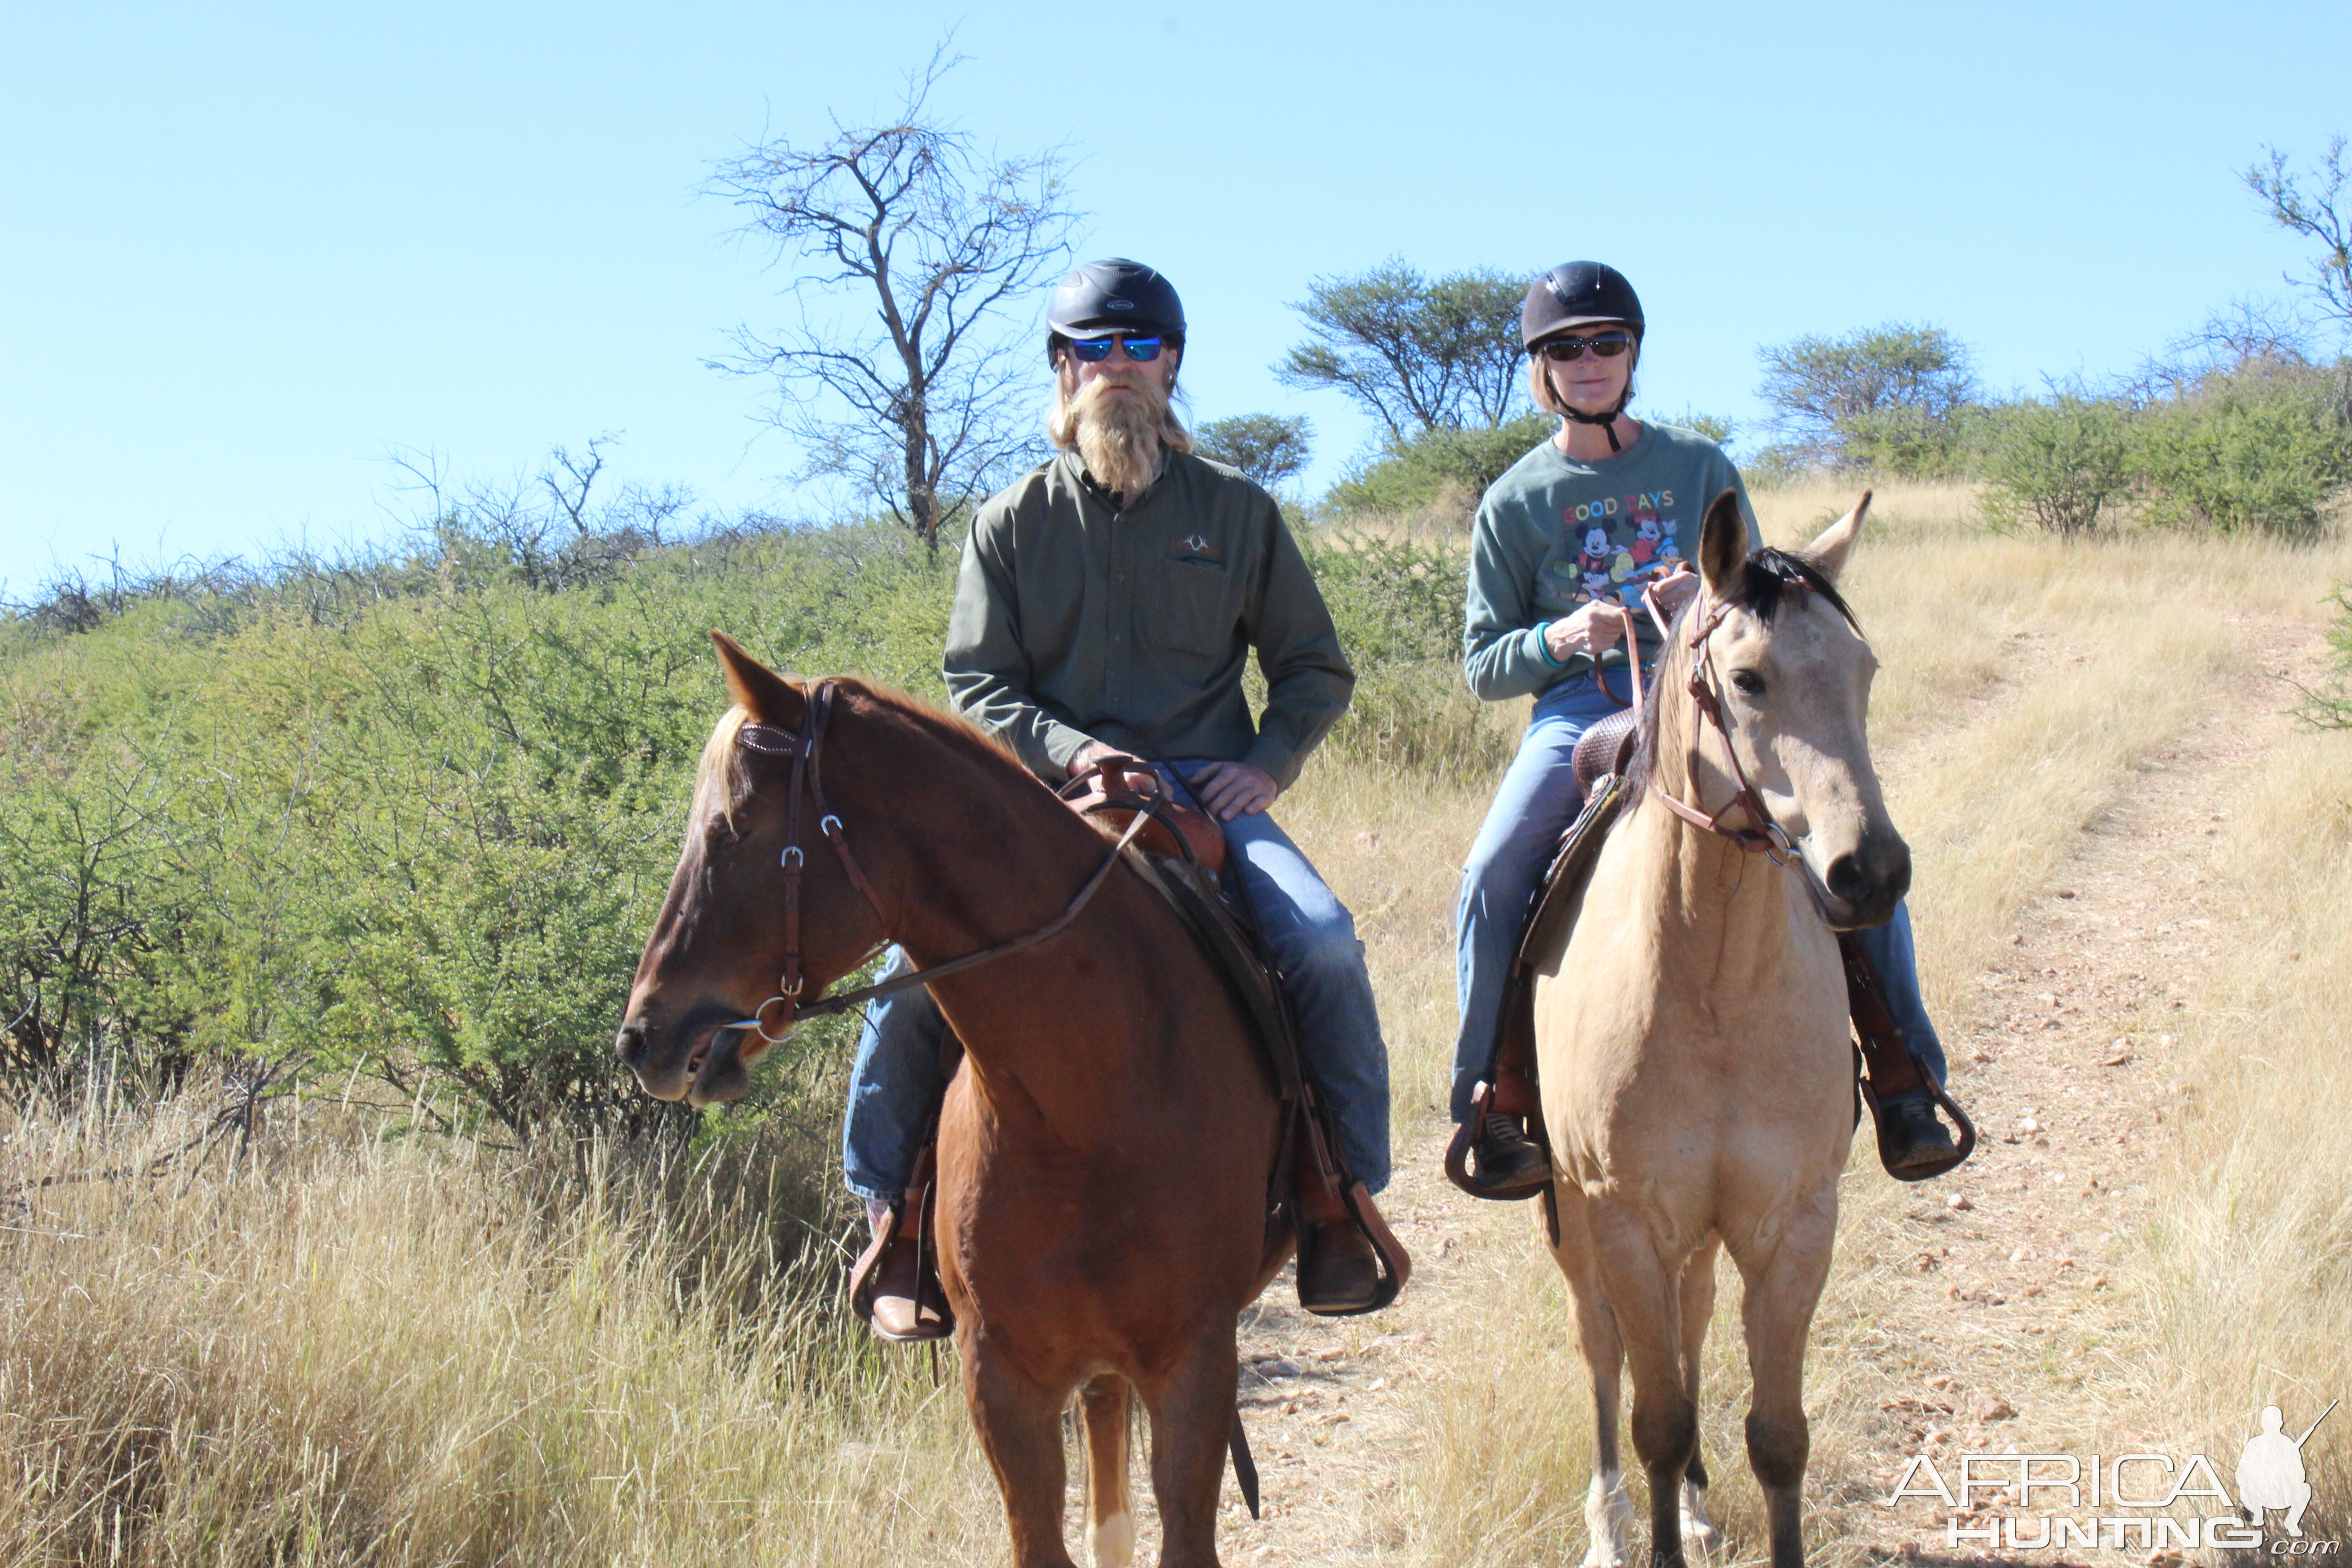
point(2270, 1471)
point(2124, 1502)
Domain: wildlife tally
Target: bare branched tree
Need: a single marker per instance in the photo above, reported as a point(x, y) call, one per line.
point(2319, 215)
point(914, 396)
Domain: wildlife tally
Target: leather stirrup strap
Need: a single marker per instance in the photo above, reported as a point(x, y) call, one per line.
point(1894, 1068)
point(1245, 1468)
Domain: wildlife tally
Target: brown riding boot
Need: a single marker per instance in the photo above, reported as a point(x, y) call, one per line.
point(1338, 1270)
point(894, 1287)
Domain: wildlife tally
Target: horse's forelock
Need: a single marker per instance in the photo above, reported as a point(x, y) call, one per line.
point(1770, 574)
point(722, 782)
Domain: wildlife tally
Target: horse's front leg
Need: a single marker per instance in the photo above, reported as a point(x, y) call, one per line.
point(1784, 1284)
point(1698, 1530)
point(1608, 1507)
point(1020, 1427)
point(1191, 1411)
point(1645, 1289)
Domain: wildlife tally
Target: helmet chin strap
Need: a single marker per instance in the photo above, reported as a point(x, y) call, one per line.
point(1608, 420)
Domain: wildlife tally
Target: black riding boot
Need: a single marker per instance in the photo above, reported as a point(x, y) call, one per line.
point(1504, 1156)
point(1909, 1133)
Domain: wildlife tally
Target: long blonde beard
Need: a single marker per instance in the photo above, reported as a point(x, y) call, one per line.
point(1122, 440)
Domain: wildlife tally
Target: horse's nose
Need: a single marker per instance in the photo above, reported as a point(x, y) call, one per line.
point(1871, 878)
point(629, 1044)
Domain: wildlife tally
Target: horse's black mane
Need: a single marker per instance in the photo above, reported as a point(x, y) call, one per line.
point(1764, 582)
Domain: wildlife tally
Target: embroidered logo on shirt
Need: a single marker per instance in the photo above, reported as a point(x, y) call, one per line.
point(1199, 546)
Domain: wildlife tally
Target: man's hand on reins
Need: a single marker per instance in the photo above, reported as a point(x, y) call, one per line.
point(1087, 756)
point(1229, 789)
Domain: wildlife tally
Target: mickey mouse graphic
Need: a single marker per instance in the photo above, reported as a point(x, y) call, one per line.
point(1646, 537)
point(1597, 552)
point(1596, 585)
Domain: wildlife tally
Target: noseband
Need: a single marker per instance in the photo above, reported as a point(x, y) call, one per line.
point(804, 749)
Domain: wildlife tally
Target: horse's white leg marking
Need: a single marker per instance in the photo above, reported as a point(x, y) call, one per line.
point(1608, 1520)
point(1698, 1529)
point(1110, 1542)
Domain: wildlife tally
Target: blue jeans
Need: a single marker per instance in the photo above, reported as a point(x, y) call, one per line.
point(1312, 940)
point(1537, 800)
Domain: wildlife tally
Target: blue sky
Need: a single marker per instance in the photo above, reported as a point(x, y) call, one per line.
point(249, 249)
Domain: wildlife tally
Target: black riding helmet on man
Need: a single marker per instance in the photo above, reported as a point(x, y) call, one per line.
point(1564, 544)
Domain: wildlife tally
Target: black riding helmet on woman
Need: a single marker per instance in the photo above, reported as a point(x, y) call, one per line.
point(1576, 534)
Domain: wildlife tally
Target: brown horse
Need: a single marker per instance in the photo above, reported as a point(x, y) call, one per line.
point(1104, 1151)
point(1692, 1038)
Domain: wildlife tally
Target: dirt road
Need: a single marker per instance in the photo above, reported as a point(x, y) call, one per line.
point(1989, 1310)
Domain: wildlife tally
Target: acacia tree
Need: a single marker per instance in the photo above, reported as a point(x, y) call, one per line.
point(1833, 398)
point(1268, 447)
point(909, 396)
point(1418, 353)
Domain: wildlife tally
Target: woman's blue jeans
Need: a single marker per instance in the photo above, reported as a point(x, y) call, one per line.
point(1309, 935)
point(1537, 800)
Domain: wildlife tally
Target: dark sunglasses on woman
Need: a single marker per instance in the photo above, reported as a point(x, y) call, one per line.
point(1608, 345)
point(1094, 351)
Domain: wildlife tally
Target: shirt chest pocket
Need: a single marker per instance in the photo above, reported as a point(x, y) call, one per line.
point(1191, 604)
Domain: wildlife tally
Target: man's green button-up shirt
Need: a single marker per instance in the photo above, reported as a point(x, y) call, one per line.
point(1076, 621)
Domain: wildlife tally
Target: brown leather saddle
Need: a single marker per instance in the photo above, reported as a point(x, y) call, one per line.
point(1885, 1063)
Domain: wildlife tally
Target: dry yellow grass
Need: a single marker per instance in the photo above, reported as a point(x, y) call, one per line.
point(354, 1351)
point(2249, 1266)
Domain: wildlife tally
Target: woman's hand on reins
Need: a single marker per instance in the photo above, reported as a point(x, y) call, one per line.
point(1229, 789)
point(1676, 589)
point(1593, 627)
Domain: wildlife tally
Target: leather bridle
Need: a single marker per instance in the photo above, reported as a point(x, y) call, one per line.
point(805, 749)
point(1765, 837)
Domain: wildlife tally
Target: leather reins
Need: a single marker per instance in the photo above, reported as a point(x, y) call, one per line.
point(804, 749)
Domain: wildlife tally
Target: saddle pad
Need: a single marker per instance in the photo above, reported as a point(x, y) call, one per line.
point(1571, 868)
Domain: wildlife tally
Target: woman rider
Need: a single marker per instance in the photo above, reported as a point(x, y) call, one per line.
point(1564, 543)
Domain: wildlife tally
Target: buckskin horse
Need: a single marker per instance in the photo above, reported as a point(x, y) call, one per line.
point(1697, 1078)
point(1104, 1150)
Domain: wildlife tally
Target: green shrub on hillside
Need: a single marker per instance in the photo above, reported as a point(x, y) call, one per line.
point(2329, 706)
point(2259, 448)
point(2057, 463)
point(1398, 604)
point(411, 818)
point(1906, 443)
point(1447, 465)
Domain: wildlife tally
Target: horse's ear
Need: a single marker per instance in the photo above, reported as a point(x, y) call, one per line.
point(759, 692)
point(1723, 546)
point(1827, 554)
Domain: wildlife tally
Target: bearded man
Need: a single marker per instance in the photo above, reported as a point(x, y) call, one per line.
point(1108, 603)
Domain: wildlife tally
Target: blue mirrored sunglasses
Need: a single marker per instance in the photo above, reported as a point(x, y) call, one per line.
point(1094, 351)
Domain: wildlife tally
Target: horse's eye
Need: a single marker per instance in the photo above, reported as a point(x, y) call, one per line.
point(1749, 681)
